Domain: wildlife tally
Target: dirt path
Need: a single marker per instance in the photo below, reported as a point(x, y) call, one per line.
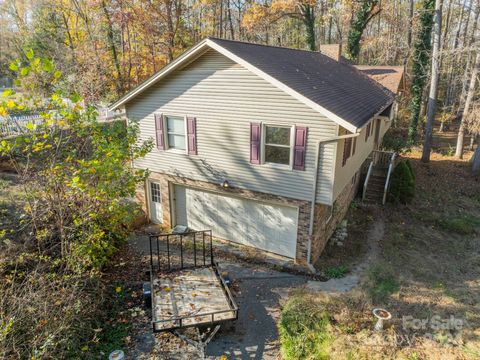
point(352, 279)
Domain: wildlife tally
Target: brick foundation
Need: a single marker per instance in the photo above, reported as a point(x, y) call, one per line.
point(327, 220)
point(323, 229)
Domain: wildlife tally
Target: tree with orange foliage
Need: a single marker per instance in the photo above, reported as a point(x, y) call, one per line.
point(303, 10)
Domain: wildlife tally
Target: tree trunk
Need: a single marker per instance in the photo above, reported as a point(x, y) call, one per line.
point(421, 58)
point(113, 49)
point(309, 22)
point(476, 161)
point(470, 93)
point(410, 23)
point(432, 98)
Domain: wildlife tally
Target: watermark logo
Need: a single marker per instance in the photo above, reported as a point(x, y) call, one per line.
point(435, 323)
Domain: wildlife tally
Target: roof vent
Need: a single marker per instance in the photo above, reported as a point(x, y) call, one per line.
point(333, 51)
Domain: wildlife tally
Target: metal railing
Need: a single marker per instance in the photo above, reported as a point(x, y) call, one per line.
point(365, 184)
point(170, 252)
point(391, 166)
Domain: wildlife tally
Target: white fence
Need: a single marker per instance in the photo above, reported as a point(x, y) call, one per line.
point(16, 125)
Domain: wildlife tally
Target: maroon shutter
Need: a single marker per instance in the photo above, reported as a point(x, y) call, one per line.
point(192, 135)
point(300, 148)
point(159, 131)
point(347, 147)
point(255, 132)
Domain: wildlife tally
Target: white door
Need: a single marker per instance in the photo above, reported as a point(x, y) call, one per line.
point(266, 226)
point(155, 200)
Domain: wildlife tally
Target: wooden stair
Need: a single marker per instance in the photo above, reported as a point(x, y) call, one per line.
point(376, 186)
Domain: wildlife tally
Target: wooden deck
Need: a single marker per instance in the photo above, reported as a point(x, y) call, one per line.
point(189, 297)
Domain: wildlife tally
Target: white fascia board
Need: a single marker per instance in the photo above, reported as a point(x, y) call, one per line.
point(283, 87)
point(184, 58)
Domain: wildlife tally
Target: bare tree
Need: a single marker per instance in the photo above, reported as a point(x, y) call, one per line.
point(470, 93)
point(432, 98)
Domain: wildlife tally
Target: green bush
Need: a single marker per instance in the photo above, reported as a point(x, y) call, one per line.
point(336, 272)
point(304, 330)
point(463, 225)
point(402, 185)
point(394, 140)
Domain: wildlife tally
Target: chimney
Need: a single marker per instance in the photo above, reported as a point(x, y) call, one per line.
point(333, 51)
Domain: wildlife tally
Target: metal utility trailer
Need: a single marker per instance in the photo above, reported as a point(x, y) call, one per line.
point(186, 289)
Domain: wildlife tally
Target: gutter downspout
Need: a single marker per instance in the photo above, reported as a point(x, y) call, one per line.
point(314, 191)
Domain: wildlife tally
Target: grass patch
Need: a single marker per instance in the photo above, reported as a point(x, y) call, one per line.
point(304, 330)
point(336, 272)
point(381, 283)
point(463, 225)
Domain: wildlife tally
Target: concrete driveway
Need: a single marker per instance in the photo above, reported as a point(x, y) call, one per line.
point(258, 291)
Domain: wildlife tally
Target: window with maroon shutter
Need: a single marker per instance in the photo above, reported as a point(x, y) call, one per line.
point(160, 138)
point(192, 135)
point(367, 131)
point(347, 148)
point(255, 137)
point(299, 148)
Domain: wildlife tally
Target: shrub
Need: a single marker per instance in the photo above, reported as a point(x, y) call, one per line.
point(304, 330)
point(402, 185)
point(395, 140)
point(336, 272)
point(463, 225)
point(75, 171)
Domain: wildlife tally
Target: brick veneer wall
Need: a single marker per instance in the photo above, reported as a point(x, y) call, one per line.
point(168, 182)
point(323, 226)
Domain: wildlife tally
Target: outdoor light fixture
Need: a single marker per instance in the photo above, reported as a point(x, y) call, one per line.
point(225, 184)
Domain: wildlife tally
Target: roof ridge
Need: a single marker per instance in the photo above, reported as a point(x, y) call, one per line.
point(267, 45)
point(341, 63)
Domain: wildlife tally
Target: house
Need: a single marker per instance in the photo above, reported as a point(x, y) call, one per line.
point(263, 145)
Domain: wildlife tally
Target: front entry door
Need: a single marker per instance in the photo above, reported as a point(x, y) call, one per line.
point(156, 213)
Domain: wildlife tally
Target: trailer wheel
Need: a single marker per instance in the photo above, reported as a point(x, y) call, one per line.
point(147, 294)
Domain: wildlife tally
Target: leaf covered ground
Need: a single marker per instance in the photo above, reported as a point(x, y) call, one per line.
point(427, 274)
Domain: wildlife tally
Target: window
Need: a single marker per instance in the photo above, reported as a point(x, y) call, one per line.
point(368, 131)
point(354, 146)
point(277, 144)
point(175, 132)
point(155, 192)
point(347, 149)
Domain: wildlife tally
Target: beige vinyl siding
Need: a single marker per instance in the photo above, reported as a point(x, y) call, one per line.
point(225, 98)
point(344, 174)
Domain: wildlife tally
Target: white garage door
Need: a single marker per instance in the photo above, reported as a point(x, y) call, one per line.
point(265, 226)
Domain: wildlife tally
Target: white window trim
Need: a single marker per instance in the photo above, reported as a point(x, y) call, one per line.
point(150, 194)
point(291, 146)
point(165, 134)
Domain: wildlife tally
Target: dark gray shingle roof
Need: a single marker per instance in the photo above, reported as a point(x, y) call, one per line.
point(338, 87)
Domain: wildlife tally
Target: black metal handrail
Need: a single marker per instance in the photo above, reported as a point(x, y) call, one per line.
point(164, 249)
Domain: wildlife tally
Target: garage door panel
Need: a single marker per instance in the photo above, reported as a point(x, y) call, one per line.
point(265, 226)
